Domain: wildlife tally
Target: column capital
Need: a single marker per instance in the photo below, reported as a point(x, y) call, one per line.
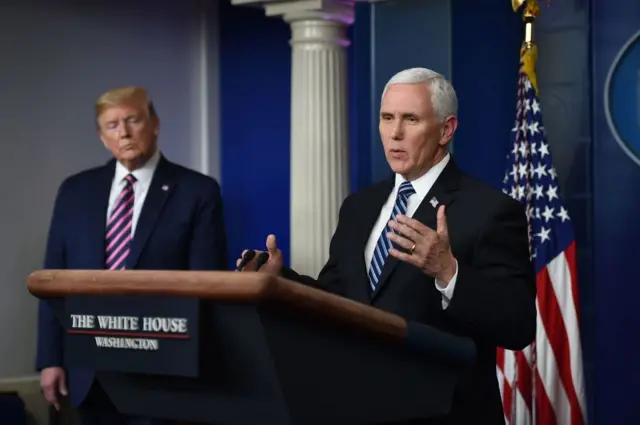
point(296, 10)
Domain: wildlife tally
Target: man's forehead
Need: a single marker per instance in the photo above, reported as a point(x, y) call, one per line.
point(129, 108)
point(405, 103)
point(406, 93)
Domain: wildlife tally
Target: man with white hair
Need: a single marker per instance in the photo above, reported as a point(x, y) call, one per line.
point(433, 244)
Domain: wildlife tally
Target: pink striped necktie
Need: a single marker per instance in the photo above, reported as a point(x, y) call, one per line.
point(118, 233)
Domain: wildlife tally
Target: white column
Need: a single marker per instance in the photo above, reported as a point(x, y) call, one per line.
point(319, 136)
point(319, 122)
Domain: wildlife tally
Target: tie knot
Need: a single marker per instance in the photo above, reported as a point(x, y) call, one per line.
point(130, 179)
point(406, 190)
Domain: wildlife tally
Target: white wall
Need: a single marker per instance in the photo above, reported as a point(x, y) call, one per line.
point(56, 58)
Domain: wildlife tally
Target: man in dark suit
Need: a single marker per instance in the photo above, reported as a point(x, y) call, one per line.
point(139, 211)
point(433, 244)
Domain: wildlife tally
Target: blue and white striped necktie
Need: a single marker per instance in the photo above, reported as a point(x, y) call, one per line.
point(384, 244)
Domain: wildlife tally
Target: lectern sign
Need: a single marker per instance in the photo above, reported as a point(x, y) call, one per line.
point(129, 332)
point(133, 334)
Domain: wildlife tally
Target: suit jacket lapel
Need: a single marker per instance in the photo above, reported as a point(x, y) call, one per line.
point(96, 216)
point(370, 211)
point(439, 194)
point(162, 185)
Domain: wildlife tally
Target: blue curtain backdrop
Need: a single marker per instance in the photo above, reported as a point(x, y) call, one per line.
point(616, 205)
point(255, 93)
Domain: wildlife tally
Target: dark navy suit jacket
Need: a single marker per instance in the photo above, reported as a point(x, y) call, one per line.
point(181, 227)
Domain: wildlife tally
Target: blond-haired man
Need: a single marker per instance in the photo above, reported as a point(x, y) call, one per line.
point(139, 211)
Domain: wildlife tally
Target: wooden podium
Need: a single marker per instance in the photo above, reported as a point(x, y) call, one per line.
point(234, 348)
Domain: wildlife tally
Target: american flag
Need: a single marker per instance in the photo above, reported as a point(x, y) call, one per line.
point(544, 383)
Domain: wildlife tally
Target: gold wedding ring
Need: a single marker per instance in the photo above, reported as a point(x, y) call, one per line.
point(412, 248)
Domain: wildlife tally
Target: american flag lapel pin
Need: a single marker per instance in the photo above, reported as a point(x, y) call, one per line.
point(165, 187)
point(433, 202)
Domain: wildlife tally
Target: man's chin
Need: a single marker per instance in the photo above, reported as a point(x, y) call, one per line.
point(131, 160)
point(129, 156)
point(399, 167)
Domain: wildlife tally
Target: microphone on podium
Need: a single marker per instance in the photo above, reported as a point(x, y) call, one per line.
point(248, 256)
point(262, 258)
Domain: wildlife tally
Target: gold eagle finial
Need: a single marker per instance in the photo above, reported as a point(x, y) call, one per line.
point(517, 4)
point(531, 7)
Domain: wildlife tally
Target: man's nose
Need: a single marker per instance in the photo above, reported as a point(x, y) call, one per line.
point(397, 132)
point(124, 130)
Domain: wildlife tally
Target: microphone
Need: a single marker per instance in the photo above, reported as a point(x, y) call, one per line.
point(262, 258)
point(248, 256)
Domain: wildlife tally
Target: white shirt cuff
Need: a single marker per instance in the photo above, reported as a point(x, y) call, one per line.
point(447, 291)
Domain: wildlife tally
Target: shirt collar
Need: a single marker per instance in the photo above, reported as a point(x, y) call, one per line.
point(423, 184)
point(143, 174)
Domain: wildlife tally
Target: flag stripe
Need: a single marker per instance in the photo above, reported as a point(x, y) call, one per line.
point(525, 381)
point(547, 363)
point(544, 414)
point(549, 383)
point(570, 256)
point(566, 346)
point(522, 412)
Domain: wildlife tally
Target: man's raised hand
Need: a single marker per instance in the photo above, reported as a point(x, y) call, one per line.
point(425, 248)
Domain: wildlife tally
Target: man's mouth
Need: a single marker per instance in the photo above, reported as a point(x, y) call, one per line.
point(396, 153)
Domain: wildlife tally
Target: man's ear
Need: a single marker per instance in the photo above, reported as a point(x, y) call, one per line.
point(102, 139)
point(448, 129)
point(155, 122)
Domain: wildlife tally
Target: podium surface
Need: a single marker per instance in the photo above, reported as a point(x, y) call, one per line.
point(248, 348)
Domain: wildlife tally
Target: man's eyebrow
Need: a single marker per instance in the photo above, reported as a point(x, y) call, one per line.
point(404, 114)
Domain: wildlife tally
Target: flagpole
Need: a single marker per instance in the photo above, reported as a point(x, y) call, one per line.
point(529, 49)
point(529, 56)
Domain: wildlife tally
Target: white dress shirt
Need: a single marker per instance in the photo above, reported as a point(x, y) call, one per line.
point(143, 177)
point(422, 185)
